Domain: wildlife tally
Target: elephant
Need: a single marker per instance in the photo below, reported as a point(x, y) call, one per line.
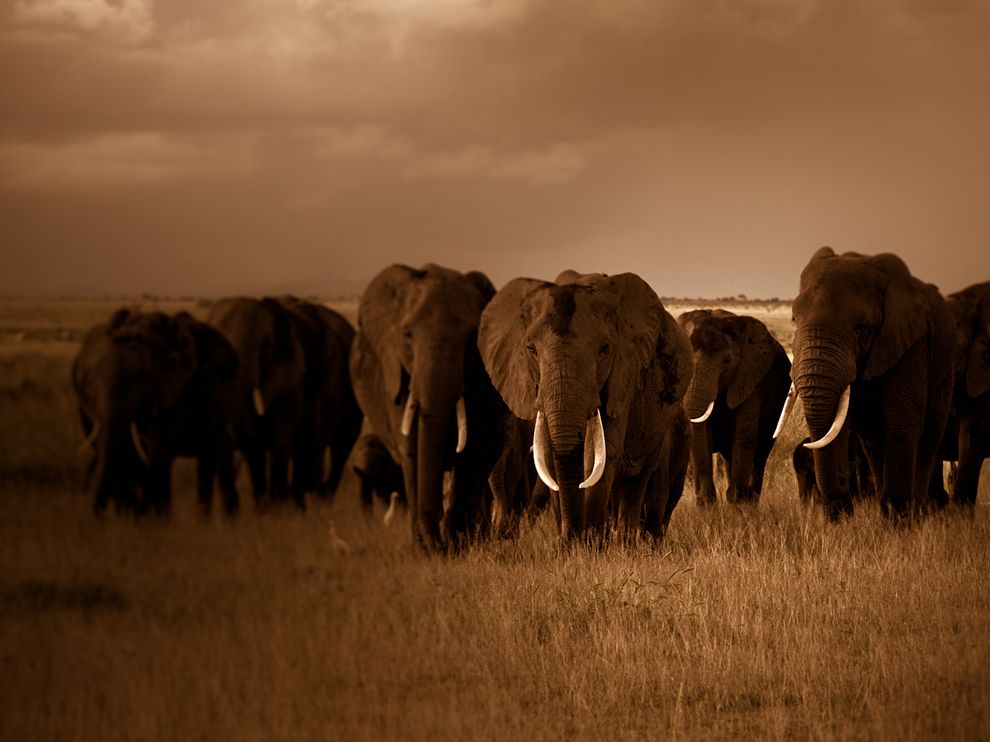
point(270, 389)
point(862, 484)
point(873, 346)
point(420, 382)
point(601, 367)
point(151, 387)
point(379, 473)
point(967, 438)
point(296, 398)
point(331, 416)
point(741, 377)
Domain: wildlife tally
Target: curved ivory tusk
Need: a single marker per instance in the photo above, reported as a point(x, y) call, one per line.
point(705, 415)
point(90, 439)
point(840, 418)
point(259, 402)
point(136, 440)
point(540, 452)
point(596, 432)
point(786, 412)
point(408, 415)
point(462, 429)
point(390, 513)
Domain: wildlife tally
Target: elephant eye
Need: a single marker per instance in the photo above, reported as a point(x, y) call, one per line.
point(862, 327)
point(407, 333)
point(604, 349)
point(531, 348)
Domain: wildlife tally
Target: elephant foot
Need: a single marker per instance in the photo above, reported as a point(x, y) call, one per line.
point(427, 537)
point(836, 511)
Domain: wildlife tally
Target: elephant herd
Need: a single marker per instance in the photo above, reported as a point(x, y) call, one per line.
point(268, 377)
point(457, 382)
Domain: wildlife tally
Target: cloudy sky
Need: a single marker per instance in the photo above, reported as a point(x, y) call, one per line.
point(192, 147)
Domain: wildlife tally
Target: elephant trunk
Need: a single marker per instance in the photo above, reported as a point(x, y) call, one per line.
point(116, 459)
point(824, 368)
point(569, 408)
point(700, 397)
point(436, 401)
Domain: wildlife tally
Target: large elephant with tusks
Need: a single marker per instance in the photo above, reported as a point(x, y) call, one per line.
point(602, 367)
point(420, 381)
point(873, 355)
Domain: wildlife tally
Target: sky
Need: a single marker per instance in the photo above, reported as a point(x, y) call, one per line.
point(183, 147)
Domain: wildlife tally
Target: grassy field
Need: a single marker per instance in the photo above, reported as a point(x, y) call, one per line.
point(752, 623)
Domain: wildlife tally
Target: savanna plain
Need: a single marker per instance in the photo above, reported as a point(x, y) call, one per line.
point(758, 623)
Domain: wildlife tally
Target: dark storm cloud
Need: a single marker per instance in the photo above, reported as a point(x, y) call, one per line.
point(260, 142)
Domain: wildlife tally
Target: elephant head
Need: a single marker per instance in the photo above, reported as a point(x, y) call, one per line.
point(417, 338)
point(573, 355)
point(272, 363)
point(731, 355)
point(856, 316)
point(971, 312)
point(128, 376)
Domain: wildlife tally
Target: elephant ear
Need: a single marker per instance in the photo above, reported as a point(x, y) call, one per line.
point(379, 321)
point(640, 317)
point(485, 287)
point(676, 357)
point(502, 343)
point(689, 320)
point(756, 353)
point(905, 315)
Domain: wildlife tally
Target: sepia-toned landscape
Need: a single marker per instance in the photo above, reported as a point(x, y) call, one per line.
point(494, 369)
point(755, 622)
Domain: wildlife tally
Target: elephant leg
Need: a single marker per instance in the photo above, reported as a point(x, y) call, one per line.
point(409, 476)
point(701, 464)
point(227, 474)
point(341, 444)
point(256, 458)
point(740, 487)
point(630, 495)
point(832, 476)
point(367, 492)
point(206, 469)
point(675, 472)
point(158, 489)
point(281, 459)
point(501, 517)
point(763, 448)
point(307, 461)
point(659, 491)
point(971, 447)
point(598, 501)
point(468, 509)
point(899, 471)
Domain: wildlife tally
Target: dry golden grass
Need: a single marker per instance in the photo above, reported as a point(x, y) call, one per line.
point(752, 623)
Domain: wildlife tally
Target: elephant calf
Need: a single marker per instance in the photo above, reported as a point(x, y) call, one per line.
point(379, 473)
point(741, 377)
